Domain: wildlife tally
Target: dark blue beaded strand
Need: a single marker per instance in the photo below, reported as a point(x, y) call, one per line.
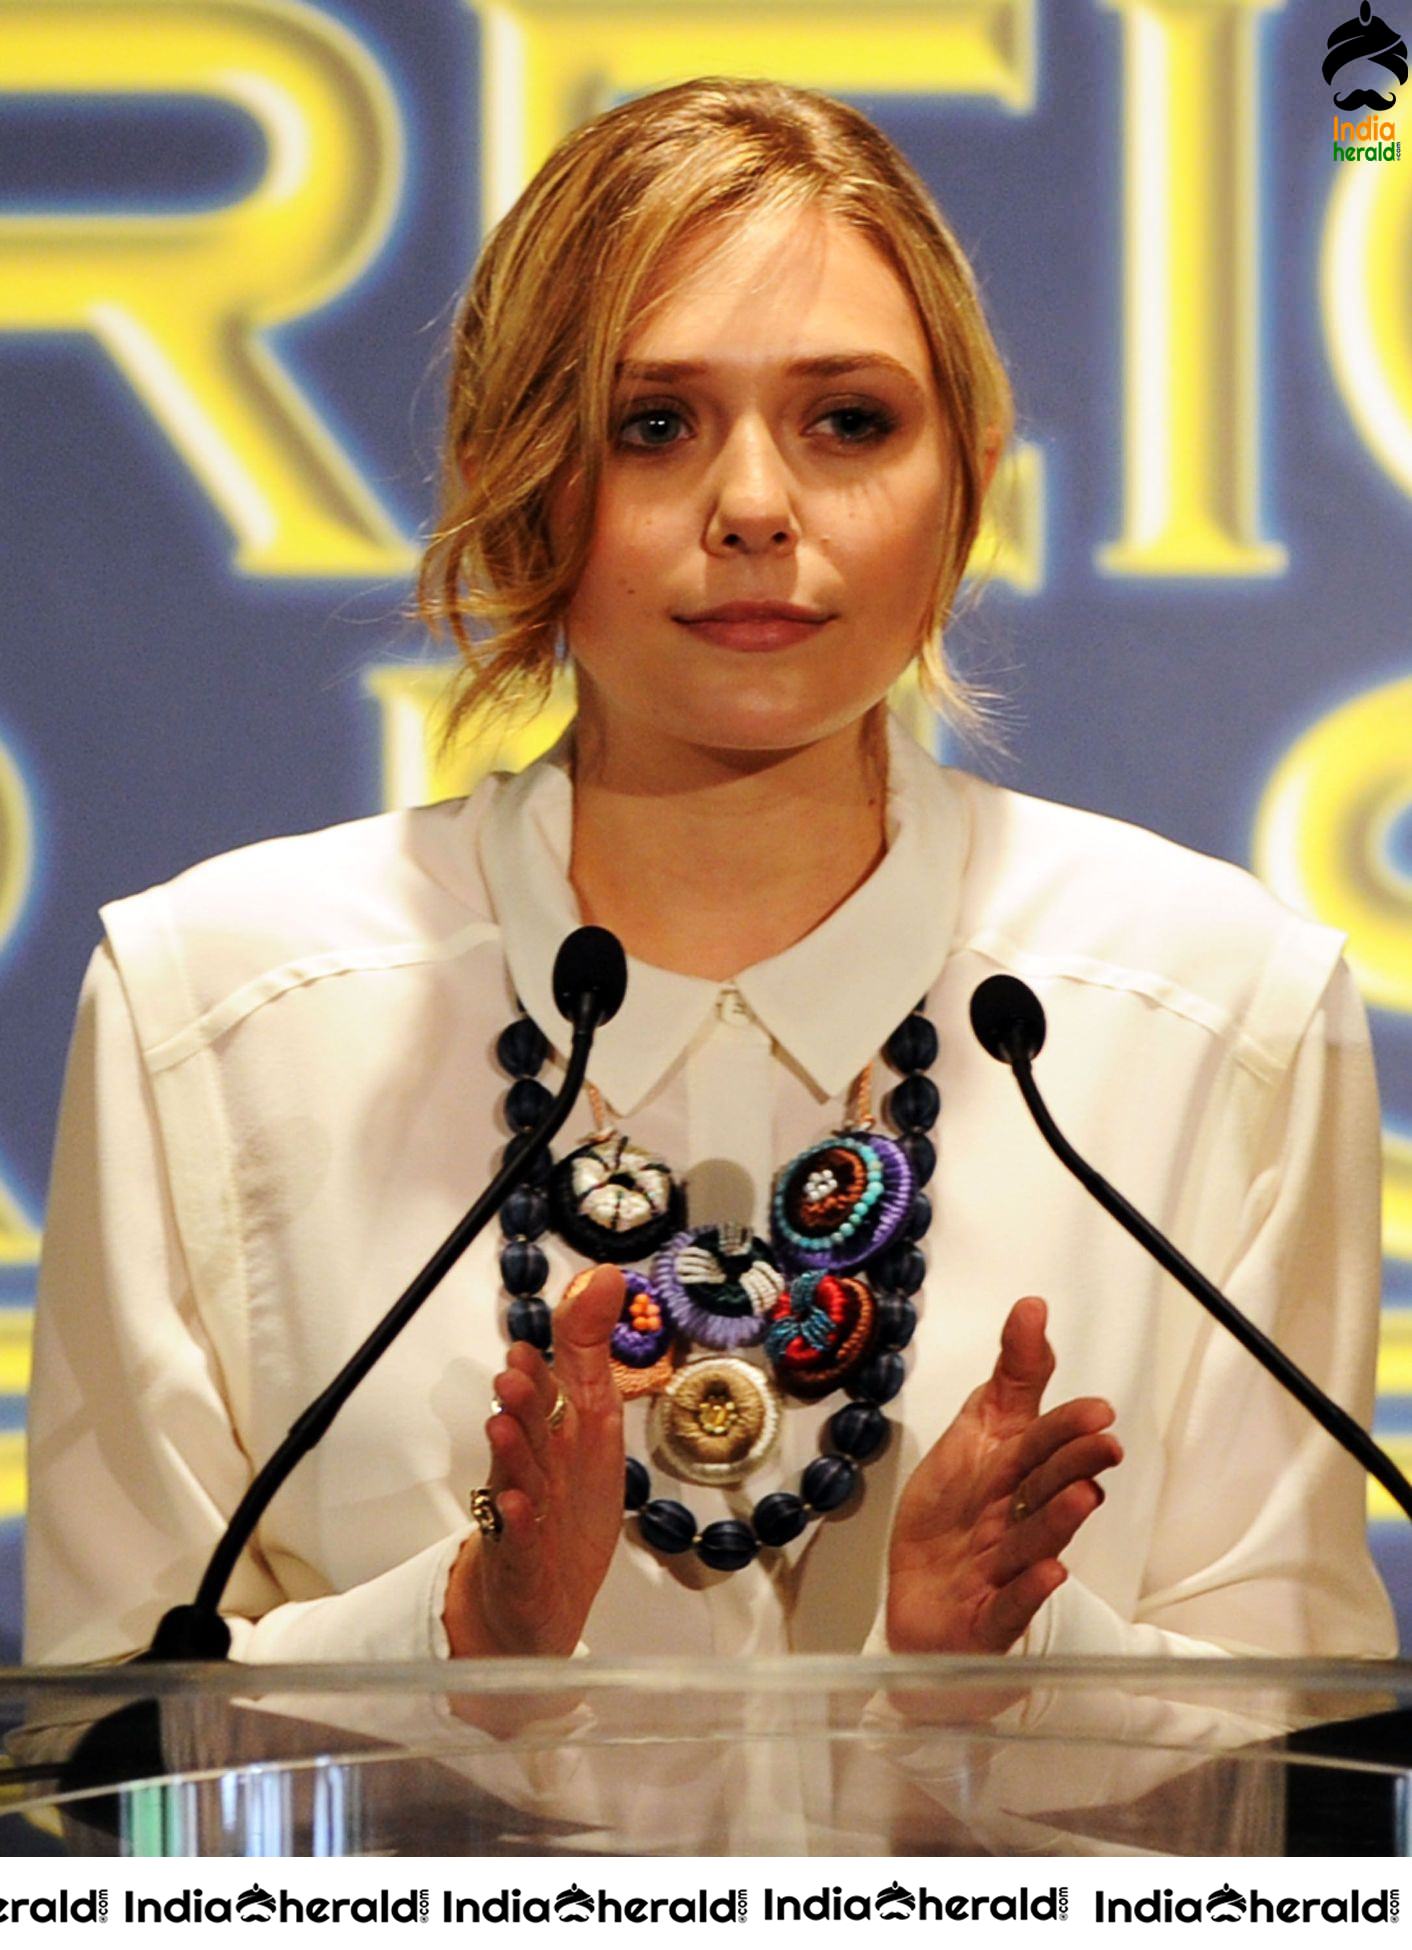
point(639, 1485)
point(728, 1545)
point(525, 1104)
point(777, 1519)
point(522, 1050)
point(858, 1430)
point(667, 1526)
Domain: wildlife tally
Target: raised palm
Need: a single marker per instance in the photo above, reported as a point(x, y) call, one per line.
point(559, 1491)
point(967, 1569)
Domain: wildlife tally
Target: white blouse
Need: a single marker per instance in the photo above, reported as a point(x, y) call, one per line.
point(282, 1093)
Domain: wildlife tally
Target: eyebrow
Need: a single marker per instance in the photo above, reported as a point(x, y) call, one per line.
point(825, 365)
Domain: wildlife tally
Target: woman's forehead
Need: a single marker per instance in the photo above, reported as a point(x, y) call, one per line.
point(808, 283)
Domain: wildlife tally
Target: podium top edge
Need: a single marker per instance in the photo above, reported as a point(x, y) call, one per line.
point(793, 1673)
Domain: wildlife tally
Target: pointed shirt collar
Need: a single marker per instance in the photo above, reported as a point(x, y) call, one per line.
point(830, 1001)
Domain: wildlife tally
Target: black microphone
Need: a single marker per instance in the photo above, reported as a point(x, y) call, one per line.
point(1008, 1019)
point(590, 967)
point(1009, 1023)
point(590, 980)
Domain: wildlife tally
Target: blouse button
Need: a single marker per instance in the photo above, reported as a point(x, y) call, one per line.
point(731, 1006)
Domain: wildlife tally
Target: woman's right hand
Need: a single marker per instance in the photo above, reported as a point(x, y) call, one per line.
point(559, 1493)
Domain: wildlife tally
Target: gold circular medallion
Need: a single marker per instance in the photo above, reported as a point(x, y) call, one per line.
point(717, 1418)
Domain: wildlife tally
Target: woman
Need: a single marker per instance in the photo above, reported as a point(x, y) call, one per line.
point(724, 412)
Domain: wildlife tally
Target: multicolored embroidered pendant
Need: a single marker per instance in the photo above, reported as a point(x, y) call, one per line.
point(717, 1419)
point(645, 1350)
point(841, 1201)
point(820, 1331)
point(717, 1284)
point(615, 1201)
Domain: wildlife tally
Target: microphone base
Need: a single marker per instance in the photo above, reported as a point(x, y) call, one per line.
point(187, 1632)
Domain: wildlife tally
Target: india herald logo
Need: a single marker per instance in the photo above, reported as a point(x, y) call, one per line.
point(1369, 49)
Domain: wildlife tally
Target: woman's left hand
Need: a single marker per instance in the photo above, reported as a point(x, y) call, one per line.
point(969, 1565)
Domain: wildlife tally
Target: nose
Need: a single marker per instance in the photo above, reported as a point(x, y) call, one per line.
point(752, 499)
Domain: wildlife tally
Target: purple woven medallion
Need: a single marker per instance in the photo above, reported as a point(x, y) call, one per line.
point(841, 1202)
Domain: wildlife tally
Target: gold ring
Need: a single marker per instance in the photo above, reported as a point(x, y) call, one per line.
point(488, 1519)
point(559, 1410)
point(1019, 1507)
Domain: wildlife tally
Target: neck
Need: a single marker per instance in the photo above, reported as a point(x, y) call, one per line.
point(707, 861)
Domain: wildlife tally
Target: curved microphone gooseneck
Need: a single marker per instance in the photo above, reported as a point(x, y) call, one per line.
point(1009, 1023)
point(590, 980)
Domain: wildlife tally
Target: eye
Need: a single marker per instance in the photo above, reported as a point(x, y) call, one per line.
point(650, 426)
point(859, 425)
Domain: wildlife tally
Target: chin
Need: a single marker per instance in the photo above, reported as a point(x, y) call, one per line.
point(763, 724)
point(785, 734)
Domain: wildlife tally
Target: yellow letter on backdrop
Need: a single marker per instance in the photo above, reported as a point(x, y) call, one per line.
point(1190, 284)
point(19, 1241)
point(179, 299)
point(1366, 298)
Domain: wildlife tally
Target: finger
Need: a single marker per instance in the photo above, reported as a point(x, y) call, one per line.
point(510, 1567)
point(1017, 1602)
point(1085, 1415)
point(1087, 1455)
point(520, 1402)
point(583, 1326)
point(513, 1464)
point(520, 1535)
point(1025, 1363)
point(528, 1361)
point(1046, 1532)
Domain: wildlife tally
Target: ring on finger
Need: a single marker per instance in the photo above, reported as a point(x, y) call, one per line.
point(1019, 1506)
point(484, 1514)
point(559, 1410)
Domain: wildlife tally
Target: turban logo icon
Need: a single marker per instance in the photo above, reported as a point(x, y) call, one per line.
point(1223, 1900)
point(1365, 44)
point(255, 1905)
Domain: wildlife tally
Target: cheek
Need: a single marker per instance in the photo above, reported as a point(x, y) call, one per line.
point(894, 532)
point(632, 541)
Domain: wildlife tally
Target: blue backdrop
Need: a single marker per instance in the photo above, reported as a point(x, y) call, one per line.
point(230, 238)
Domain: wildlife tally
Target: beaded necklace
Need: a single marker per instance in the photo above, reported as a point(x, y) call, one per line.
point(829, 1296)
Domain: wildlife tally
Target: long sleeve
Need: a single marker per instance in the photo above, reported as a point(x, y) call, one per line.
point(135, 1465)
point(1259, 1543)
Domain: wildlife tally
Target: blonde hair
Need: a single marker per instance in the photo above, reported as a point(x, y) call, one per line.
point(563, 279)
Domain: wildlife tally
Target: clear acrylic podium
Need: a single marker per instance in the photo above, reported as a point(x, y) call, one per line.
point(791, 1757)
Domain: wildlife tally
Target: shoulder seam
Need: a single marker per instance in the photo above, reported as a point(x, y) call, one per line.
point(1247, 1050)
point(223, 1016)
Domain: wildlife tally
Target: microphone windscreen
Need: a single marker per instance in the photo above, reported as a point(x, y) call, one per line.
point(1004, 1009)
point(590, 959)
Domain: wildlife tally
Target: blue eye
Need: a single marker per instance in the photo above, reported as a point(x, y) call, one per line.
point(650, 426)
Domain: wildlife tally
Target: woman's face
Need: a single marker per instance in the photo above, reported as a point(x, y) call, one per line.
point(770, 520)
